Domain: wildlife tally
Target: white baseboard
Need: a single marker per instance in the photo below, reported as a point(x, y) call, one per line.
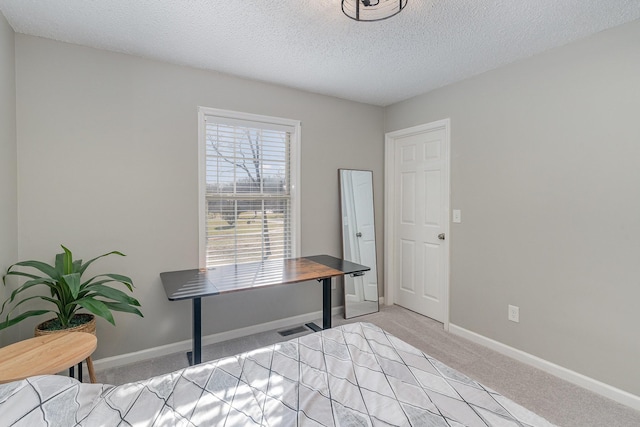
point(163, 350)
point(350, 298)
point(573, 377)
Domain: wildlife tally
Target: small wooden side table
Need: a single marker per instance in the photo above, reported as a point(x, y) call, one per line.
point(47, 355)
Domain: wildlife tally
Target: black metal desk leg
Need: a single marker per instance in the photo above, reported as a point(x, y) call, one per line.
point(326, 307)
point(80, 371)
point(326, 303)
point(195, 356)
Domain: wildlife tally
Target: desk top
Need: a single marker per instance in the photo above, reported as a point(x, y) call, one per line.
point(45, 355)
point(189, 284)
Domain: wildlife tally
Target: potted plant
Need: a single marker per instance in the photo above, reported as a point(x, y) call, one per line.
point(68, 293)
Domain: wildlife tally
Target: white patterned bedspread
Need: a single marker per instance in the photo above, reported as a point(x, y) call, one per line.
point(353, 375)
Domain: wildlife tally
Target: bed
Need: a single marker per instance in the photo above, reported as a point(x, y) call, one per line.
point(353, 375)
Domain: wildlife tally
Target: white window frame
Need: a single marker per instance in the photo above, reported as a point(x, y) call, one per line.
point(294, 170)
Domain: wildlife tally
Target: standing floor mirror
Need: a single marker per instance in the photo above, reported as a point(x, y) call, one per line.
point(358, 241)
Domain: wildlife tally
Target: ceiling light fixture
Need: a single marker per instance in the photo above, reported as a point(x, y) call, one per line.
point(372, 10)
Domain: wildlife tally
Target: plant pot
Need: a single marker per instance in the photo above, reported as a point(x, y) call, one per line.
point(89, 326)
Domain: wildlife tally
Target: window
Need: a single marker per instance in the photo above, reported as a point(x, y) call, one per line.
point(249, 209)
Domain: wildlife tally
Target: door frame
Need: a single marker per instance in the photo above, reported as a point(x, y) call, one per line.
point(389, 208)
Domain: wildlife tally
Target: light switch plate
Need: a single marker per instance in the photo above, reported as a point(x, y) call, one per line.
point(514, 313)
point(457, 216)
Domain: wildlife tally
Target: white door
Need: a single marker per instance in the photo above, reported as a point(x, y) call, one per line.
point(418, 194)
point(365, 231)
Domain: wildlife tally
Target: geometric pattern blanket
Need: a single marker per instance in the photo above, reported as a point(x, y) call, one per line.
point(353, 375)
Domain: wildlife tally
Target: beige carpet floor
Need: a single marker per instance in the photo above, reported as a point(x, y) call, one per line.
point(560, 402)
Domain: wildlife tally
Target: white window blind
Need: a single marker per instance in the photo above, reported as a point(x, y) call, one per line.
point(248, 206)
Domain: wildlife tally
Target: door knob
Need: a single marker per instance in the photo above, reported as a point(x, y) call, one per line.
point(441, 236)
point(358, 234)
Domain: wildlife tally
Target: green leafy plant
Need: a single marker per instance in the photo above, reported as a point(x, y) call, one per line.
point(67, 292)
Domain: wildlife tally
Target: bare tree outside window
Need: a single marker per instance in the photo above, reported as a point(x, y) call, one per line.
point(247, 191)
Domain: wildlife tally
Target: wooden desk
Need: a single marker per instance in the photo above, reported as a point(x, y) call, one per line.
point(46, 355)
point(195, 284)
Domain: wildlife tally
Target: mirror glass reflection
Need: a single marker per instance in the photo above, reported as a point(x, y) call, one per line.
point(358, 241)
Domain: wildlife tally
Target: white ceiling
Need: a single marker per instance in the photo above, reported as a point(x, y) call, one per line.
point(311, 45)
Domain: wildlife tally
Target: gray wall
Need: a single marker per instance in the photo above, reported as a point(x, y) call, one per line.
point(107, 147)
point(545, 168)
point(8, 174)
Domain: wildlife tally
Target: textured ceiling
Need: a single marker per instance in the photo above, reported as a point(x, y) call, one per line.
point(311, 45)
